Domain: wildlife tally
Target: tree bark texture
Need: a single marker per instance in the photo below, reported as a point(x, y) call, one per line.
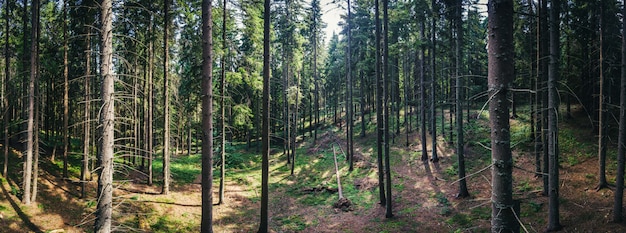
point(107, 124)
point(458, 10)
point(87, 125)
point(379, 109)
point(66, 91)
point(349, 123)
point(222, 109)
point(553, 107)
point(7, 75)
point(621, 151)
point(500, 75)
point(265, 127)
point(433, 84)
point(386, 108)
point(166, 102)
point(206, 225)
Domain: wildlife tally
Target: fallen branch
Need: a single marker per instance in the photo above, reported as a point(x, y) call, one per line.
point(343, 203)
point(337, 173)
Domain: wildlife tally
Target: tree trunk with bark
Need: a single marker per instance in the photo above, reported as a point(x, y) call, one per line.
point(553, 107)
point(87, 124)
point(621, 151)
point(349, 87)
point(602, 182)
point(379, 109)
point(206, 224)
point(150, 91)
point(386, 80)
point(5, 102)
point(423, 128)
point(166, 102)
point(265, 135)
point(500, 76)
point(222, 111)
point(433, 84)
point(458, 11)
point(66, 91)
point(30, 120)
point(543, 18)
point(36, 154)
point(107, 124)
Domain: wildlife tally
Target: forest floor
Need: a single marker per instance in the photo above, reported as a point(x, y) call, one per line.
point(424, 194)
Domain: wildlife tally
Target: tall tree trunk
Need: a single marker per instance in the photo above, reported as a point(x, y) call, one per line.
point(149, 123)
point(544, 93)
point(379, 109)
point(166, 102)
point(22, 101)
point(37, 119)
point(538, 99)
point(386, 80)
point(136, 149)
point(294, 131)
point(107, 124)
point(66, 88)
point(433, 83)
point(349, 87)
point(316, 94)
point(602, 183)
point(30, 121)
point(222, 106)
point(287, 50)
point(5, 102)
point(363, 98)
point(621, 151)
point(207, 118)
point(459, 96)
point(265, 135)
point(553, 107)
point(87, 127)
point(501, 72)
point(406, 67)
point(422, 111)
point(286, 109)
point(33, 197)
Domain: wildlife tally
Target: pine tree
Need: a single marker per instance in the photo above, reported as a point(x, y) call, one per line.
point(501, 69)
point(621, 149)
point(458, 11)
point(166, 102)
point(207, 117)
point(553, 105)
point(265, 135)
point(107, 124)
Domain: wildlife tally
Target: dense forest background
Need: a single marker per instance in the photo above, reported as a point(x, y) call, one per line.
point(123, 116)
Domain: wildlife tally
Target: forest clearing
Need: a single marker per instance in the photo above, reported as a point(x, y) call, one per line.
point(424, 193)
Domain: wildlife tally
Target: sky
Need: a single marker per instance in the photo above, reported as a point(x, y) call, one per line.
point(332, 16)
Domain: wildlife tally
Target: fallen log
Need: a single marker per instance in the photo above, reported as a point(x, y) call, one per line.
point(343, 203)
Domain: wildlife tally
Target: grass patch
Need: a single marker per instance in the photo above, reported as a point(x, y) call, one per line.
point(520, 133)
point(393, 225)
point(459, 219)
point(444, 204)
point(165, 224)
point(410, 211)
point(292, 223)
point(524, 186)
point(573, 147)
point(186, 168)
